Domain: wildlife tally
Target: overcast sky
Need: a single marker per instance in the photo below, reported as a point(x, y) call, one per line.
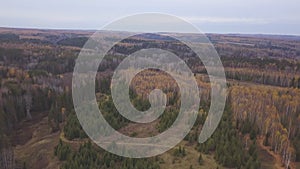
point(217, 16)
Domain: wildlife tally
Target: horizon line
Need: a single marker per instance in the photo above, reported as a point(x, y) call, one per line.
point(94, 30)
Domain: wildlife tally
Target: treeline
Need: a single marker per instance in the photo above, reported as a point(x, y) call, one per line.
point(73, 129)
point(52, 59)
point(267, 77)
point(20, 99)
point(17, 103)
point(256, 46)
point(61, 108)
point(276, 113)
point(266, 63)
point(88, 156)
point(229, 146)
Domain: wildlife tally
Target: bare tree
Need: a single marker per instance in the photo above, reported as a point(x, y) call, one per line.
point(28, 104)
point(7, 160)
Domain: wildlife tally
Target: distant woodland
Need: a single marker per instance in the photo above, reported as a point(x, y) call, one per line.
point(259, 128)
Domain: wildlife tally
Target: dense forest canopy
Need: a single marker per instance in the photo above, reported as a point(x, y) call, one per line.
point(261, 119)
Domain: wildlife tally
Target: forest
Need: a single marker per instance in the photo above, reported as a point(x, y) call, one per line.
point(39, 126)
